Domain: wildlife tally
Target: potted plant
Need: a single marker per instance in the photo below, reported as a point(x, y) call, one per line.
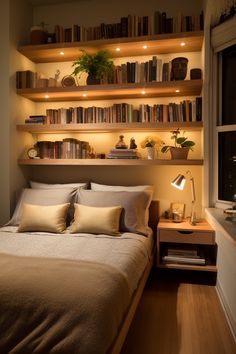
point(150, 143)
point(181, 146)
point(98, 66)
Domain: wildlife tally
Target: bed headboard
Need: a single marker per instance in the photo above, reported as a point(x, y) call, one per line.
point(154, 214)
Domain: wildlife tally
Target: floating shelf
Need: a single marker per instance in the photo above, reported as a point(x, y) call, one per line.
point(130, 46)
point(114, 91)
point(108, 127)
point(106, 162)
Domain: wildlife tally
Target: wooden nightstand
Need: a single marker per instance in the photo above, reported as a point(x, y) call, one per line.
point(183, 246)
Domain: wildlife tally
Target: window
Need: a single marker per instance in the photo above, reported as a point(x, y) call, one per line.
point(226, 125)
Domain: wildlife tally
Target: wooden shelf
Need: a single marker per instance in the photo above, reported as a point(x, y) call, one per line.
point(132, 46)
point(114, 91)
point(108, 127)
point(206, 268)
point(106, 162)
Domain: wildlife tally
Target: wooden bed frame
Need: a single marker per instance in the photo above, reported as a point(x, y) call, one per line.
point(119, 341)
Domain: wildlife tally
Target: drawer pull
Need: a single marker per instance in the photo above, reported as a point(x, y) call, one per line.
point(185, 232)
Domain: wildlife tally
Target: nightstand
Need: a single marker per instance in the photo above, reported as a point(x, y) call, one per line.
point(183, 246)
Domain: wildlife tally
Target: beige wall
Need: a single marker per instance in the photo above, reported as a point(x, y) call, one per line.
point(21, 18)
point(4, 119)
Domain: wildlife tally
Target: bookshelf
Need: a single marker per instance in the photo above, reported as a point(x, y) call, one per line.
point(114, 91)
point(107, 162)
point(107, 127)
point(129, 46)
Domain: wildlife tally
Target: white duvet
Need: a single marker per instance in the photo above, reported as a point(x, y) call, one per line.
point(129, 253)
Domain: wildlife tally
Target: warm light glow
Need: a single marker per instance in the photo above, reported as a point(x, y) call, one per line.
point(46, 96)
point(143, 92)
point(177, 90)
point(182, 44)
point(84, 94)
point(62, 53)
point(118, 49)
point(144, 46)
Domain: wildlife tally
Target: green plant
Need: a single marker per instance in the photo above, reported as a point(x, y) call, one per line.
point(179, 141)
point(98, 65)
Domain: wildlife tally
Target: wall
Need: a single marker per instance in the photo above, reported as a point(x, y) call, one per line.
point(4, 118)
point(82, 12)
point(226, 275)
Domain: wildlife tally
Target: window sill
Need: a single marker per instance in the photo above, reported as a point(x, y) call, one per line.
point(220, 218)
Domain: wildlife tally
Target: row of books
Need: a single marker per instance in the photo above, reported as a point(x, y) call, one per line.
point(68, 148)
point(135, 72)
point(184, 256)
point(123, 154)
point(28, 79)
point(185, 111)
point(130, 26)
point(129, 72)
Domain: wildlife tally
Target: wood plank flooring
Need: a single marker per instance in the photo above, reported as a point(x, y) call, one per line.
point(179, 316)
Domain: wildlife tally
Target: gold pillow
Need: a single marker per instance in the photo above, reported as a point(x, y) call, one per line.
point(43, 218)
point(96, 220)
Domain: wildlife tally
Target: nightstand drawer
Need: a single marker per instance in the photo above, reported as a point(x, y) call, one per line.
point(187, 236)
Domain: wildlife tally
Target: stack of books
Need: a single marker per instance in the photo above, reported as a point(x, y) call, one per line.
point(184, 256)
point(39, 119)
point(122, 154)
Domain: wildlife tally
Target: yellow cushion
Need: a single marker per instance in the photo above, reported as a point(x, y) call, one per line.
point(96, 220)
point(43, 218)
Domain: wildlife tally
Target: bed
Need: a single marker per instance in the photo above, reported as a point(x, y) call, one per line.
point(72, 292)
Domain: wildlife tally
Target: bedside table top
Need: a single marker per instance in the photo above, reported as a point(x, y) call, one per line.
point(202, 225)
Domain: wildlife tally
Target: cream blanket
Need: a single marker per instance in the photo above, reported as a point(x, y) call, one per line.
point(59, 306)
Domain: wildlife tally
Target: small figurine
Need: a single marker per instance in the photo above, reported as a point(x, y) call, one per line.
point(121, 144)
point(132, 145)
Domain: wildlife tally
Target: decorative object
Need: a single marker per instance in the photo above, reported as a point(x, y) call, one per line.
point(98, 66)
point(38, 35)
point(181, 146)
point(231, 213)
point(32, 153)
point(179, 68)
point(68, 81)
point(121, 144)
point(195, 74)
point(179, 183)
point(132, 144)
point(151, 143)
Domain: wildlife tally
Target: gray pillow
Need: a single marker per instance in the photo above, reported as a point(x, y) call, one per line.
point(42, 197)
point(135, 213)
point(39, 185)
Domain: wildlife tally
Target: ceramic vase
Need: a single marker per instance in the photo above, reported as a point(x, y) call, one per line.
point(150, 152)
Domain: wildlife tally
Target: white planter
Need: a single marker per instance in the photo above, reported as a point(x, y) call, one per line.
point(150, 153)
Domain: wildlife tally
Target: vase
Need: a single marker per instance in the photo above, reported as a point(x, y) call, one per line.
point(178, 153)
point(179, 68)
point(150, 152)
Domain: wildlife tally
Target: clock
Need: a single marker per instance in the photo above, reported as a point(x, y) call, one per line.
point(32, 153)
point(68, 81)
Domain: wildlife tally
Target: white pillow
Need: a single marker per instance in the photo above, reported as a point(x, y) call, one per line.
point(105, 187)
point(39, 185)
point(43, 218)
point(96, 220)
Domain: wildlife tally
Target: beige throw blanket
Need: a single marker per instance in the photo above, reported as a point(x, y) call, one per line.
point(59, 306)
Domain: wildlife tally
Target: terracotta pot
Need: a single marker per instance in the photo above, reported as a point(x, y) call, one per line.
point(179, 153)
point(179, 68)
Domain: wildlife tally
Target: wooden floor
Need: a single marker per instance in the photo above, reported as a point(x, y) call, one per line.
point(177, 315)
